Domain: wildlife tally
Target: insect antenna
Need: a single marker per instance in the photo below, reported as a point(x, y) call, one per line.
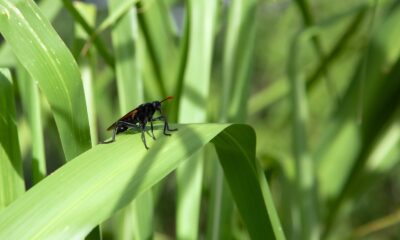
point(168, 98)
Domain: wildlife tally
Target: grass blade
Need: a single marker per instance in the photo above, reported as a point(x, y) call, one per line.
point(237, 59)
point(161, 49)
point(50, 9)
point(125, 44)
point(49, 62)
point(98, 43)
point(139, 214)
point(305, 177)
point(246, 179)
point(106, 178)
point(377, 105)
point(29, 93)
point(236, 65)
point(87, 64)
point(11, 177)
point(192, 109)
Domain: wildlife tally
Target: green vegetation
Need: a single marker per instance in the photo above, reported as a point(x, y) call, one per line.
point(287, 112)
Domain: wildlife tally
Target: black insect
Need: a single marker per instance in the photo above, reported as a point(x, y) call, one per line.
point(138, 119)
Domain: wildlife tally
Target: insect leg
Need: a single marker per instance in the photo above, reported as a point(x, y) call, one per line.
point(117, 125)
point(113, 135)
point(132, 125)
point(142, 128)
point(151, 128)
point(166, 125)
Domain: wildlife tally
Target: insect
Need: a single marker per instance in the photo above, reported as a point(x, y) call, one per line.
point(138, 119)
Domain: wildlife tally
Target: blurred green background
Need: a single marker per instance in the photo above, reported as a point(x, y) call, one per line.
point(319, 81)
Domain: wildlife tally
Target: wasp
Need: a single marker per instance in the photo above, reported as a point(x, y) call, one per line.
point(138, 119)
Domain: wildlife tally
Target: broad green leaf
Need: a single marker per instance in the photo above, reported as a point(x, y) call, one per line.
point(50, 9)
point(106, 178)
point(43, 54)
point(11, 177)
point(192, 109)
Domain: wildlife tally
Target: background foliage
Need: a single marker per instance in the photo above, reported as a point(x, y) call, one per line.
point(317, 80)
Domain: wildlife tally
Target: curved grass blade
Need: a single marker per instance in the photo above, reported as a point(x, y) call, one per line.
point(11, 178)
point(236, 64)
point(48, 61)
point(50, 9)
point(99, 182)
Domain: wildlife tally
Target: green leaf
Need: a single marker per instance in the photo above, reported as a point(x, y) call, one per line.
point(50, 9)
point(306, 197)
point(98, 43)
point(160, 46)
point(193, 102)
point(11, 178)
point(104, 179)
point(118, 11)
point(125, 42)
point(237, 59)
point(44, 55)
point(30, 99)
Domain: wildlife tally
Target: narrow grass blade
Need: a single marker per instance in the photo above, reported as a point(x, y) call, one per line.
point(125, 44)
point(159, 41)
point(381, 159)
point(305, 176)
point(308, 20)
point(202, 20)
point(48, 61)
point(279, 89)
point(139, 215)
point(338, 48)
point(30, 98)
point(237, 60)
point(99, 182)
point(11, 177)
point(117, 13)
point(87, 64)
point(376, 106)
point(98, 43)
point(236, 65)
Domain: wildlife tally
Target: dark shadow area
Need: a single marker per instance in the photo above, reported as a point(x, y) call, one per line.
point(9, 135)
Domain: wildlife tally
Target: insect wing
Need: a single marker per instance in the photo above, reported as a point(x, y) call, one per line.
point(130, 114)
